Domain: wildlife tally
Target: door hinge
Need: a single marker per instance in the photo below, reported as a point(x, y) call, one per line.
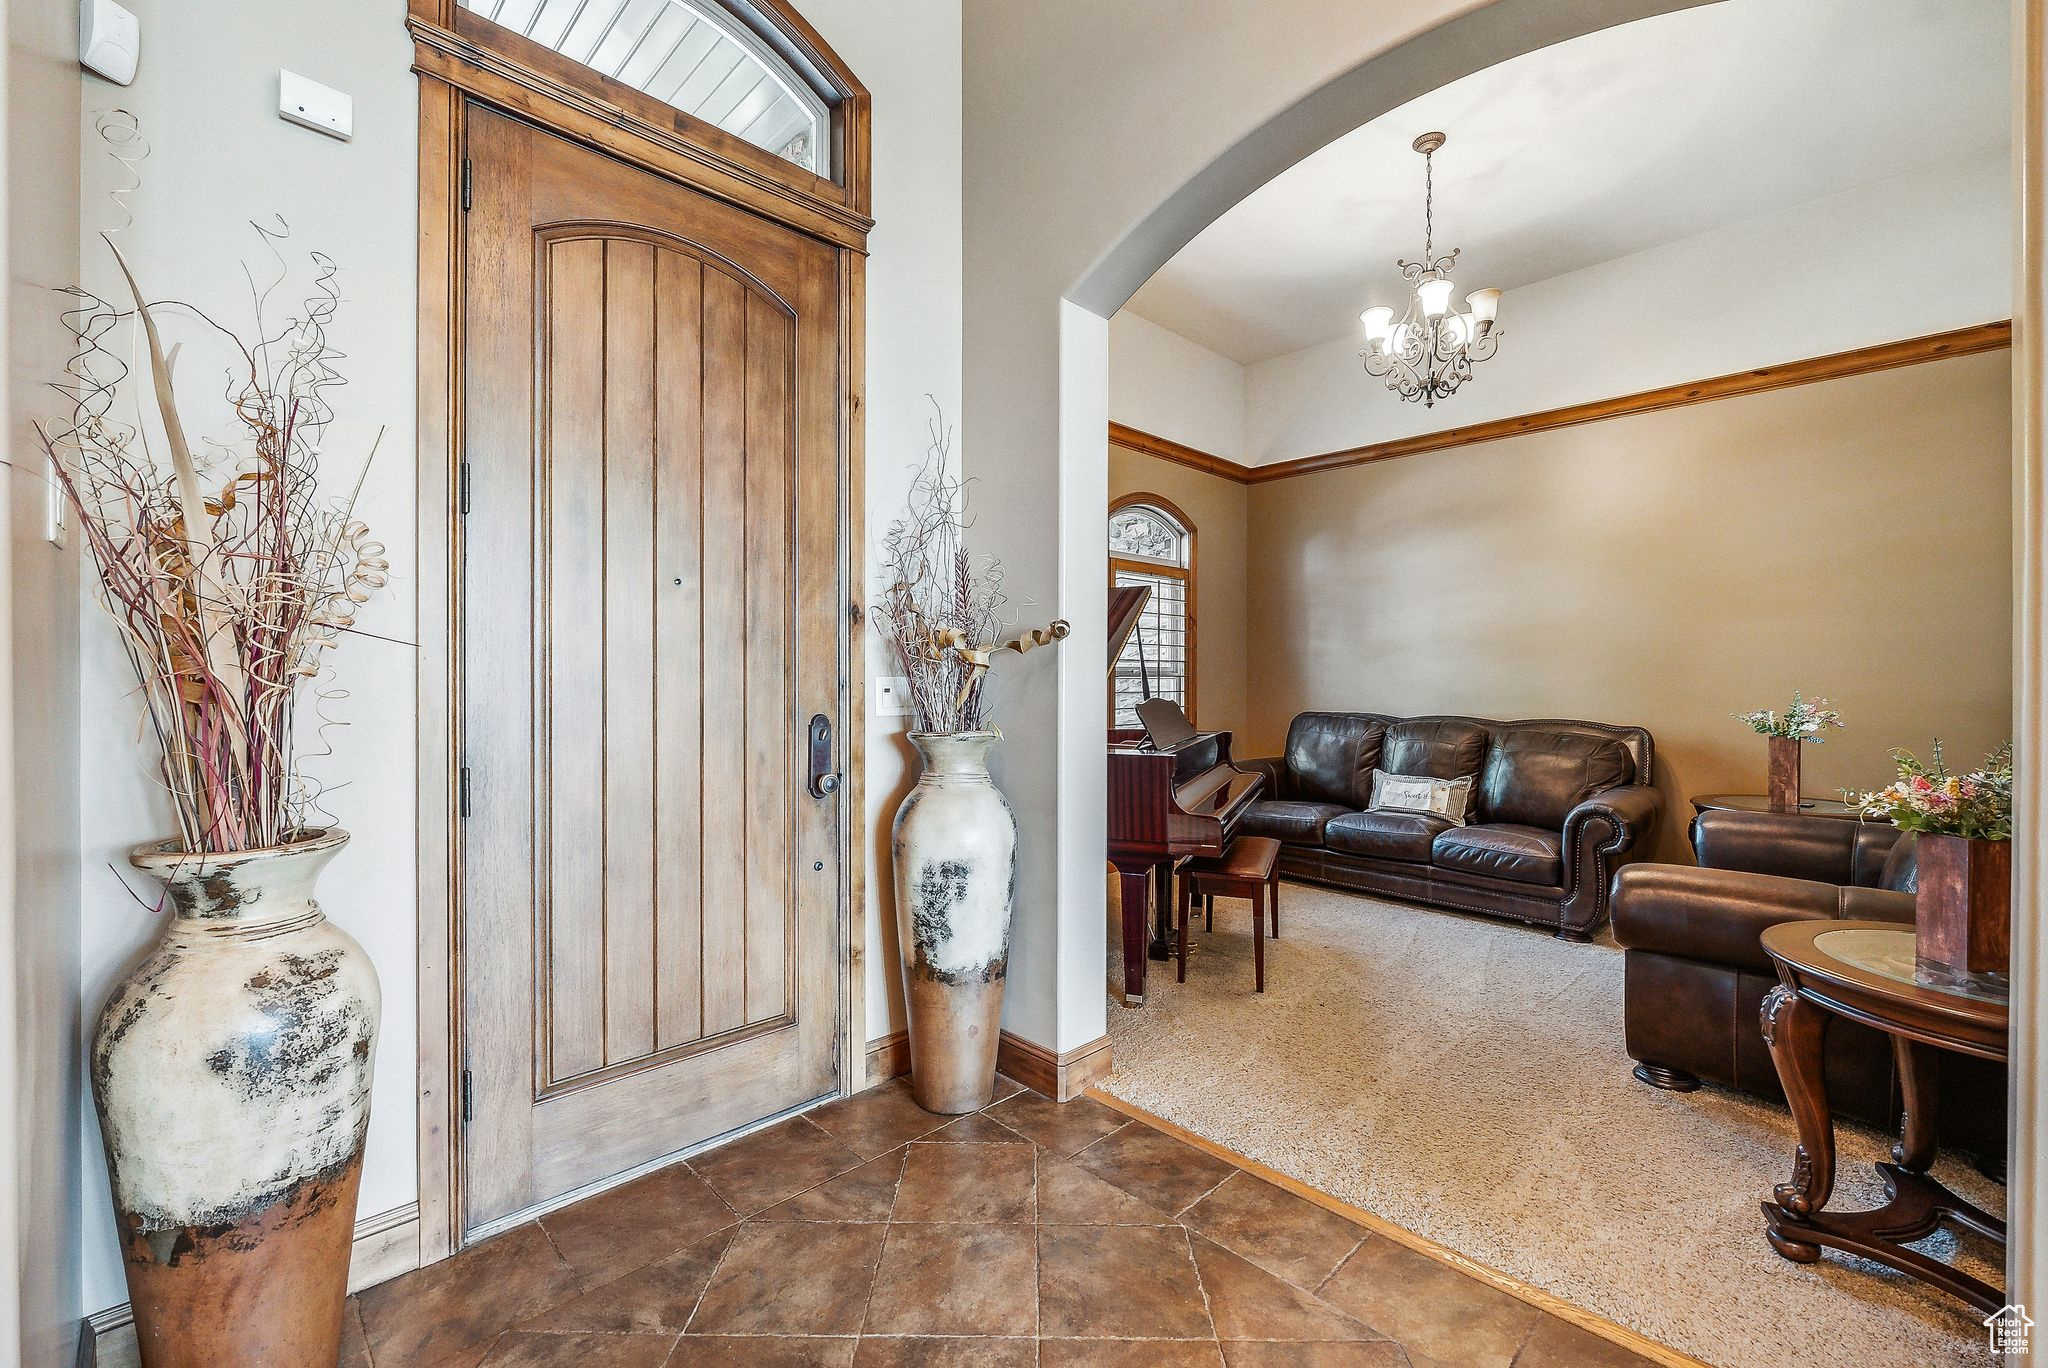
point(465, 185)
point(462, 487)
point(467, 1097)
point(462, 791)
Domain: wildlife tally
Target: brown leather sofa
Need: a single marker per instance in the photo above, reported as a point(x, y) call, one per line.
point(1557, 807)
point(1696, 973)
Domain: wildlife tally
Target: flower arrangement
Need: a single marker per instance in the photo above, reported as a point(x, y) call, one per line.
point(943, 616)
point(1804, 721)
point(227, 575)
point(1927, 798)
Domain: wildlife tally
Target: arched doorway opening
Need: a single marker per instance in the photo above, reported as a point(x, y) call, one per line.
point(1153, 240)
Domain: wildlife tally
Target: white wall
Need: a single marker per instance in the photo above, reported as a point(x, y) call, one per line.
point(1164, 384)
point(39, 720)
point(207, 99)
point(907, 53)
point(221, 157)
point(1919, 253)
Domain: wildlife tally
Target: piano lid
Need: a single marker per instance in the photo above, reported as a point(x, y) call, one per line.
point(1126, 606)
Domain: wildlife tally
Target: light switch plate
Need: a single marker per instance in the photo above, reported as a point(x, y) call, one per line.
point(55, 507)
point(320, 108)
point(892, 696)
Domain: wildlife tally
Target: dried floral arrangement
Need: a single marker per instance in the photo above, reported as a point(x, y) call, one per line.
point(943, 616)
point(1805, 720)
point(1927, 798)
point(227, 573)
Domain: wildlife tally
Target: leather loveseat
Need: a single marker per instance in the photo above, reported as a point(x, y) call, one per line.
point(1556, 807)
point(1695, 971)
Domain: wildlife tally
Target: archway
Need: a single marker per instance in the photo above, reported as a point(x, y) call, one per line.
point(1440, 55)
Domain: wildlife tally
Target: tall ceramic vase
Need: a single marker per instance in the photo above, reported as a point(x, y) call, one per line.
point(955, 848)
point(232, 1074)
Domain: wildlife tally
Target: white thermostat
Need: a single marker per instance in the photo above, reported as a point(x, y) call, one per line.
point(892, 696)
point(109, 40)
point(320, 108)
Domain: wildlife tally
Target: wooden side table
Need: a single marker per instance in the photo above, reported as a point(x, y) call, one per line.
point(1864, 971)
point(1758, 802)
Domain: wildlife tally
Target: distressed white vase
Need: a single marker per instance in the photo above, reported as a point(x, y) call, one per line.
point(232, 1072)
point(955, 849)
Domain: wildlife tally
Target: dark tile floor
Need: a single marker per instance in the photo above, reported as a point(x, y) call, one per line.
point(872, 1234)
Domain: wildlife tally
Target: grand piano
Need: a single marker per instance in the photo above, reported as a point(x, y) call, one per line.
point(1165, 804)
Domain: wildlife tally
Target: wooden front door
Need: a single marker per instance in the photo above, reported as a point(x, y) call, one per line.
point(650, 916)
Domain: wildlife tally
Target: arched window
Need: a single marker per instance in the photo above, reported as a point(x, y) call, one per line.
point(692, 55)
point(1152, 543)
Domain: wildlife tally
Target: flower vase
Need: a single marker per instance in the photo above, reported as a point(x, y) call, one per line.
point(1784, 774)
point(955, 851)
point(1963, 912)
point(232, 1070)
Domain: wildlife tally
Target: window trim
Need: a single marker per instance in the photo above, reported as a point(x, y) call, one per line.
point(1186, 575)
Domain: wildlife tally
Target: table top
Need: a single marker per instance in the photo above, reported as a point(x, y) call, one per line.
point(1757, 802)
point(1866, 970)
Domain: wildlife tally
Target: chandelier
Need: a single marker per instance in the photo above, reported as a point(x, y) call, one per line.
point(1432, 349)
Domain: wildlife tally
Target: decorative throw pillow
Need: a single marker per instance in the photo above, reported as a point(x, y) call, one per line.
point(1419, 793)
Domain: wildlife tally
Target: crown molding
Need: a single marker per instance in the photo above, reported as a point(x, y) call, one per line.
point(1910, 351)
point(1862, 361)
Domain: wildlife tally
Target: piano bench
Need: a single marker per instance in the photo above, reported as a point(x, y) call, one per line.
point(1250, 868)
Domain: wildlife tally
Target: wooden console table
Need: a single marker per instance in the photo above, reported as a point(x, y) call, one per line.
point(1864, 971)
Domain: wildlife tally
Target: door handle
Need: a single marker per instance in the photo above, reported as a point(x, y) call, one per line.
point(824, 782)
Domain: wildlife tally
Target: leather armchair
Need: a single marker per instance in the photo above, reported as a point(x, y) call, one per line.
point(1696, 973)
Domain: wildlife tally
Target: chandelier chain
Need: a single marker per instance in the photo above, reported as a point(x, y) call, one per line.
point(1428, 207)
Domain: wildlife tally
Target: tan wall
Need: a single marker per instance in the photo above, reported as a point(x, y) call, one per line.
point(1849, 538)
point(1218, 508)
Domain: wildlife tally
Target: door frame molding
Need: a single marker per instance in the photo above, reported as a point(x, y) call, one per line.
point(460, 60)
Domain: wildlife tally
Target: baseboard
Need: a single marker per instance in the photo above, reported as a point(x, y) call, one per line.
point(1063, 1076)
point(888, 1057)
point(386, 1245)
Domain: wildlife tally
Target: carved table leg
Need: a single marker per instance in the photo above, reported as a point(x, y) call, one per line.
point(1133, 886)
point(1795, 1030)
point(1914, 1150)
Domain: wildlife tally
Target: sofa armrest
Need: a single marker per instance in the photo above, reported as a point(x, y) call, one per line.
point(1718, 916)
point(1274, 767)
point(1790, 844)
point(1629, 813)
point(1600, 834)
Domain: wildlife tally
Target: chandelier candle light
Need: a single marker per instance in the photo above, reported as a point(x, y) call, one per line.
point(1432, 349)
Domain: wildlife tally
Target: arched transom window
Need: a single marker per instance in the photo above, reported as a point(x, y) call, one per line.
point(686, 53)
point(1152, 544)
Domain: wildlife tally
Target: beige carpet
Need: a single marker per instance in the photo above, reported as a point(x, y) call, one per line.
point(1465, 1079)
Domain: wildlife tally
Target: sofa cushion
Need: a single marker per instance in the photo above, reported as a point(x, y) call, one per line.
point(1294, 823)
point(1330, 756)
point(1440, 747)
point(1386, 833)
point(1535, 777)
point(1526, 854)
